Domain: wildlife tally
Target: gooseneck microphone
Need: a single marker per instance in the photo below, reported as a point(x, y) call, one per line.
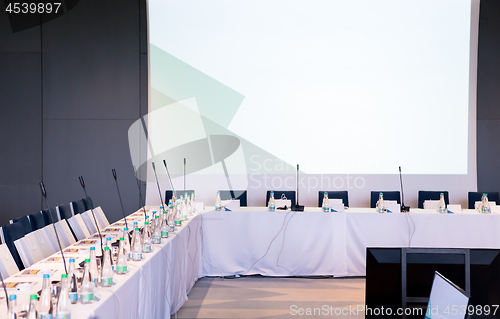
point(143, 202)
point(44, 194)
point(82, 182)
point(170, 180)
point(297, 207)
point(184, 175)
point(404, 209)
point(158, 184)
point(119, 196)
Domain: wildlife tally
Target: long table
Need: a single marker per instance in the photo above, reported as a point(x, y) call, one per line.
point(155, 287)
point(283, 243)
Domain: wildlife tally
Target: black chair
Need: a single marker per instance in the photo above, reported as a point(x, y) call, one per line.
point(343, 195)
point(25, 222)
point(11, 233)
point(476, 197)
point(277, 195)
point(65, 211)
point(87, 203)
point(78, 207)
point(178, 193)
point(235, 194)
point(37, 221)
point(46, 216)
point(388, 195)
point(431, 195)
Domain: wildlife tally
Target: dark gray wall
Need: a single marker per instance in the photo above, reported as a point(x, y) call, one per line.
point(488, 97)
point(70, 89)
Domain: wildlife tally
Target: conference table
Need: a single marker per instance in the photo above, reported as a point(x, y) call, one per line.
point(254, 240)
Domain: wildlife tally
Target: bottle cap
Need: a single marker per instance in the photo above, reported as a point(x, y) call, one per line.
point(135, 223)
point(147, 217)
point(72, 260)
point(137, 229)
point(441, 194)
point(326, 193)
point(87, 260)
point(154, 212)
point(46, 276)
point(108, 238)
point(106, 248)
point(125, 229)
point(64, 276)
point(381, 194)
point(121, 238)
point(33, 297)
point(92, 248)
point(12, 297)
point(272, 192)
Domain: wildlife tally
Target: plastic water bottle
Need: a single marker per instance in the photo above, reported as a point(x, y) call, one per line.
point(121, 262)
point(146, 239)
point(72, 284)
point(178, 221)
point(94, 271)
point(126, 242)
point(106, 269)
point(164, 226)
point(108, 244)
point(380, 207)
point(184, 211)
point(45, 308)
point(171, 223)
point(272, 202)
point(156, 237)
point(12, 307)
point(485, 205)
point(87, 287)
point(218, 202)
point(193, 206)
point(32, 309)
point(326, 203)
point(63, 302)
point(136, 248)
point(442, 205)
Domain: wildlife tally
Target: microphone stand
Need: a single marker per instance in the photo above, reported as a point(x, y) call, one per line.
point(297, 207)
point(82, 182)
point(404, 209)
point(158, 184)
point(170, 179)
point(44, 194)
point(143, 202)
point(119, 196)
point(184, 175)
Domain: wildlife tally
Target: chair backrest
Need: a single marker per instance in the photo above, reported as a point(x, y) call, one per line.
point(25, 222)
point(37, 221)
point(78, 226)
point(235, 194)
point(47, 213)
point(64, 211)
point(78, 207)
point(88, 219)
point(29, 248)
point(168, 194)
point(476, 197)
point(343, 195)
point(11, 233)
point(87, 202)
point(47, 241)
point(8, 266)
point(431, 195)
point(65, 234)
point(277, 195)
point(102, 220)
point(388, 195)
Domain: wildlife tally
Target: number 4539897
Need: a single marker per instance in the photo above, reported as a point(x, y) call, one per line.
point(33, 7)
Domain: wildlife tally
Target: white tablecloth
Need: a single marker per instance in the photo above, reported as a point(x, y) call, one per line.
point(316, 243)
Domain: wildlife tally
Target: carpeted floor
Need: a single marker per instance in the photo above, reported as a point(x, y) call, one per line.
point(269, 297)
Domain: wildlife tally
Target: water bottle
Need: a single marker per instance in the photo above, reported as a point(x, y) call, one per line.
point(63, 302)
point(94, 271)
point(272, 203)
point(108, 244)
point(12, 307)
point(45, 308)
point(136, 249)
point(87, 287)
point(193, 206)
point(171, 223)
point(485, 205)
point(32, 309)
point(72, 284)
point(178, 221)
point(380, 207)
point(326, 203)
point(146, 239)
point(442, 205)
point(121, 262)
point(156, 237)
point(126, 242)
point(218, 202)
point(184, 210)
point(164, 226)
point(106, 269)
